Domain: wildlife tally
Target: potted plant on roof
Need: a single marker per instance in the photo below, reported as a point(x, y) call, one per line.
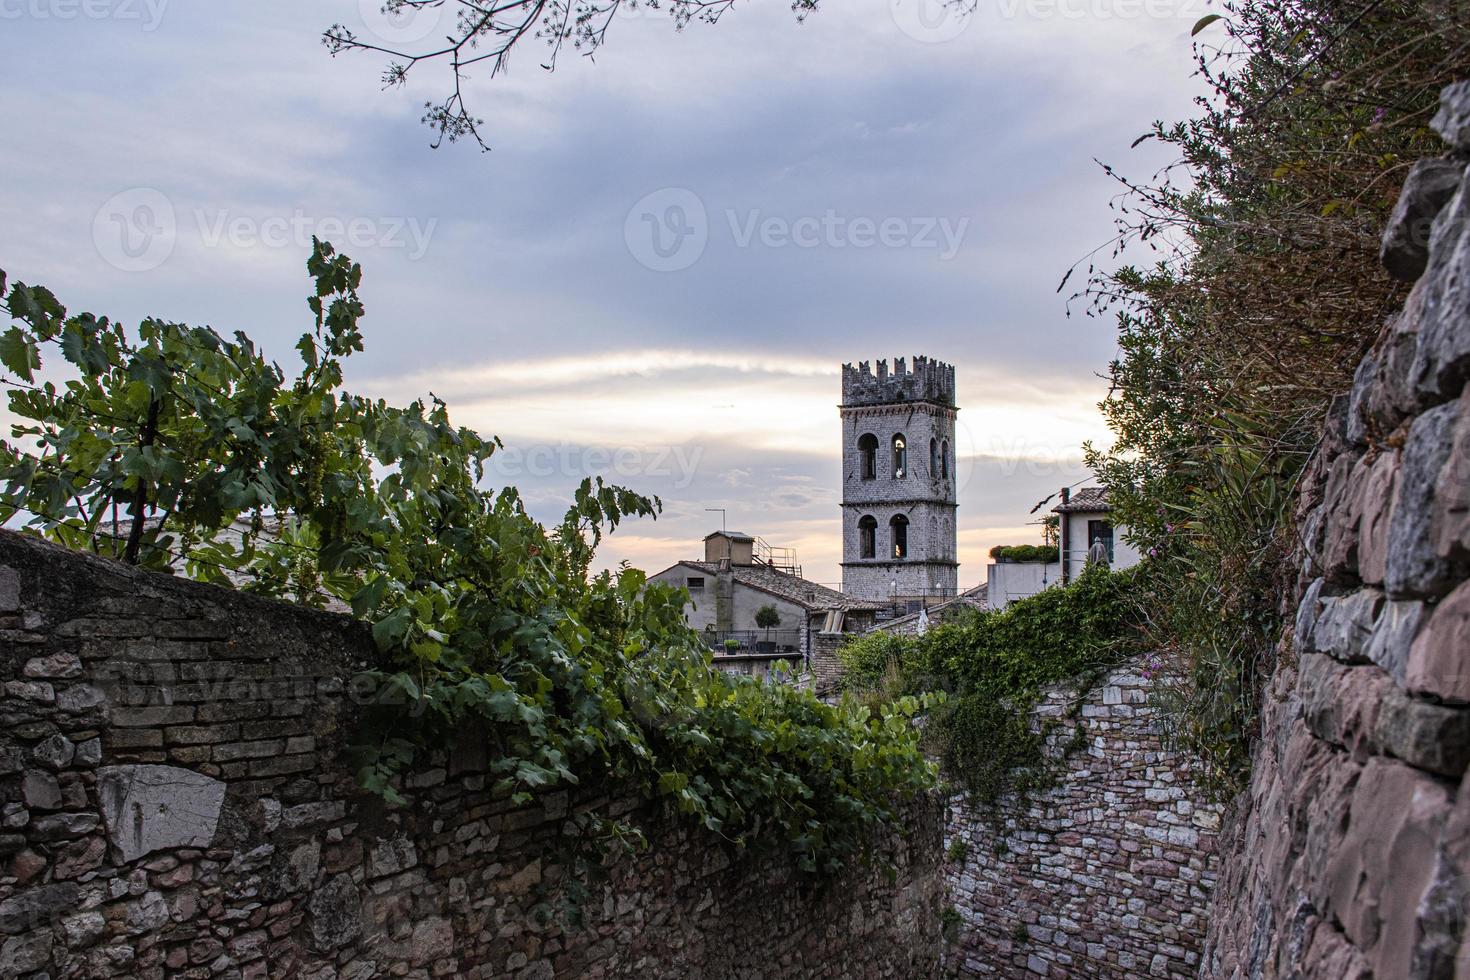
point(767, 618)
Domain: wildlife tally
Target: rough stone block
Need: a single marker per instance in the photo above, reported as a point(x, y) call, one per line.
point(1413, 568)
point(336, 913)
point(1307, 614)
point(1438, 662)
point(80, 698)
point(1382, 859)
point(149, 808)
point(1452, 120)
point(1380, 478)
point(1342, 509)
point(36, 907)
point(1393, 633)
point(55, 752)
point(1452, 504)
point(1346, 623)
point(1427, 189)
point(41, 791)
point(1442, 303)
point(1427, 736)
point(21, 955)
point(53, 665)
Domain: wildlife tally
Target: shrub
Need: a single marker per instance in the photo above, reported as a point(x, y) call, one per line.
point(490, 626)
point(1266, 290)
point(1024, 553)
point(991, 668)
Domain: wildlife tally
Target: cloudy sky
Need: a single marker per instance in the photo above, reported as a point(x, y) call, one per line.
point(659, 268)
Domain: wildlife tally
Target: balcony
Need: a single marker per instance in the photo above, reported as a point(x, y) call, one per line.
point(753, 643)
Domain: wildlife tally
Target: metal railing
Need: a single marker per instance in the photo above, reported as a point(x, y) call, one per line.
point(781, 559)
point(746, 643)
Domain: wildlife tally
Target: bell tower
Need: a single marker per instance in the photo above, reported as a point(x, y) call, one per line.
point(898, 480)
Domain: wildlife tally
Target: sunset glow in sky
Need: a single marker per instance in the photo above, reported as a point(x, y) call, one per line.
point(877, 182)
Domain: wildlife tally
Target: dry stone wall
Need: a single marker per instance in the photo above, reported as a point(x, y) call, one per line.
point(1349, 855)
point(174, 803)
point(1106, 874)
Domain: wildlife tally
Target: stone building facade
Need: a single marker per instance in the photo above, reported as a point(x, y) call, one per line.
point(898, 480)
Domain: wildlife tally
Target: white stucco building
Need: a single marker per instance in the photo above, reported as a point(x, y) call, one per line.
point(1083, 517)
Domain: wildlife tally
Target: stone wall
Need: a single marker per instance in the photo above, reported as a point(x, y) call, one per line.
point(174, 803)
point(1349, 854)
point(1106, 874)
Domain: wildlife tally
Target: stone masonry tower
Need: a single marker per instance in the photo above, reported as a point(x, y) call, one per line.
point(898, 480)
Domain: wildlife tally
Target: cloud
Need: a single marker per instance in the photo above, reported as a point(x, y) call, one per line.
point(528, 309)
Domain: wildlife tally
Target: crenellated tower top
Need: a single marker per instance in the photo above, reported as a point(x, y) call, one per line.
point(928, 381)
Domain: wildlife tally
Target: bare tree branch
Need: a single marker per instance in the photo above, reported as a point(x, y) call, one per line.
point(487, 31)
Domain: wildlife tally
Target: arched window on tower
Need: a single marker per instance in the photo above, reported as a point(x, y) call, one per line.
point(868, 455)
point(933, 459)
point(900, 528)
point(944, 460)
point(900, 457)
point(868, 536)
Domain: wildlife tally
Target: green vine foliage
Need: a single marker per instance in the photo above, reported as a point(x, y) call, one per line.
point(491, 627)
point(992, 667)
point(1025, 552)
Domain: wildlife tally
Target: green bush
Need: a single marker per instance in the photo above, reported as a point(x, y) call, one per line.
point(490, 626)
point(992, 666)
point(1263, 289)
point(1025, 552)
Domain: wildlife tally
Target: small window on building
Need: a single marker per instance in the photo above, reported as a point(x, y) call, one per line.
point(900, 457)
point(1101, 530)
point(695, 582)
point(868, 456)
point(944, 460)
point(933, 458)
point(868, 537)
point(900, 528)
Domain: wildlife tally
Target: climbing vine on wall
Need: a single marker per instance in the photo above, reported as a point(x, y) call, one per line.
point(992, 668)
point(146, 445)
